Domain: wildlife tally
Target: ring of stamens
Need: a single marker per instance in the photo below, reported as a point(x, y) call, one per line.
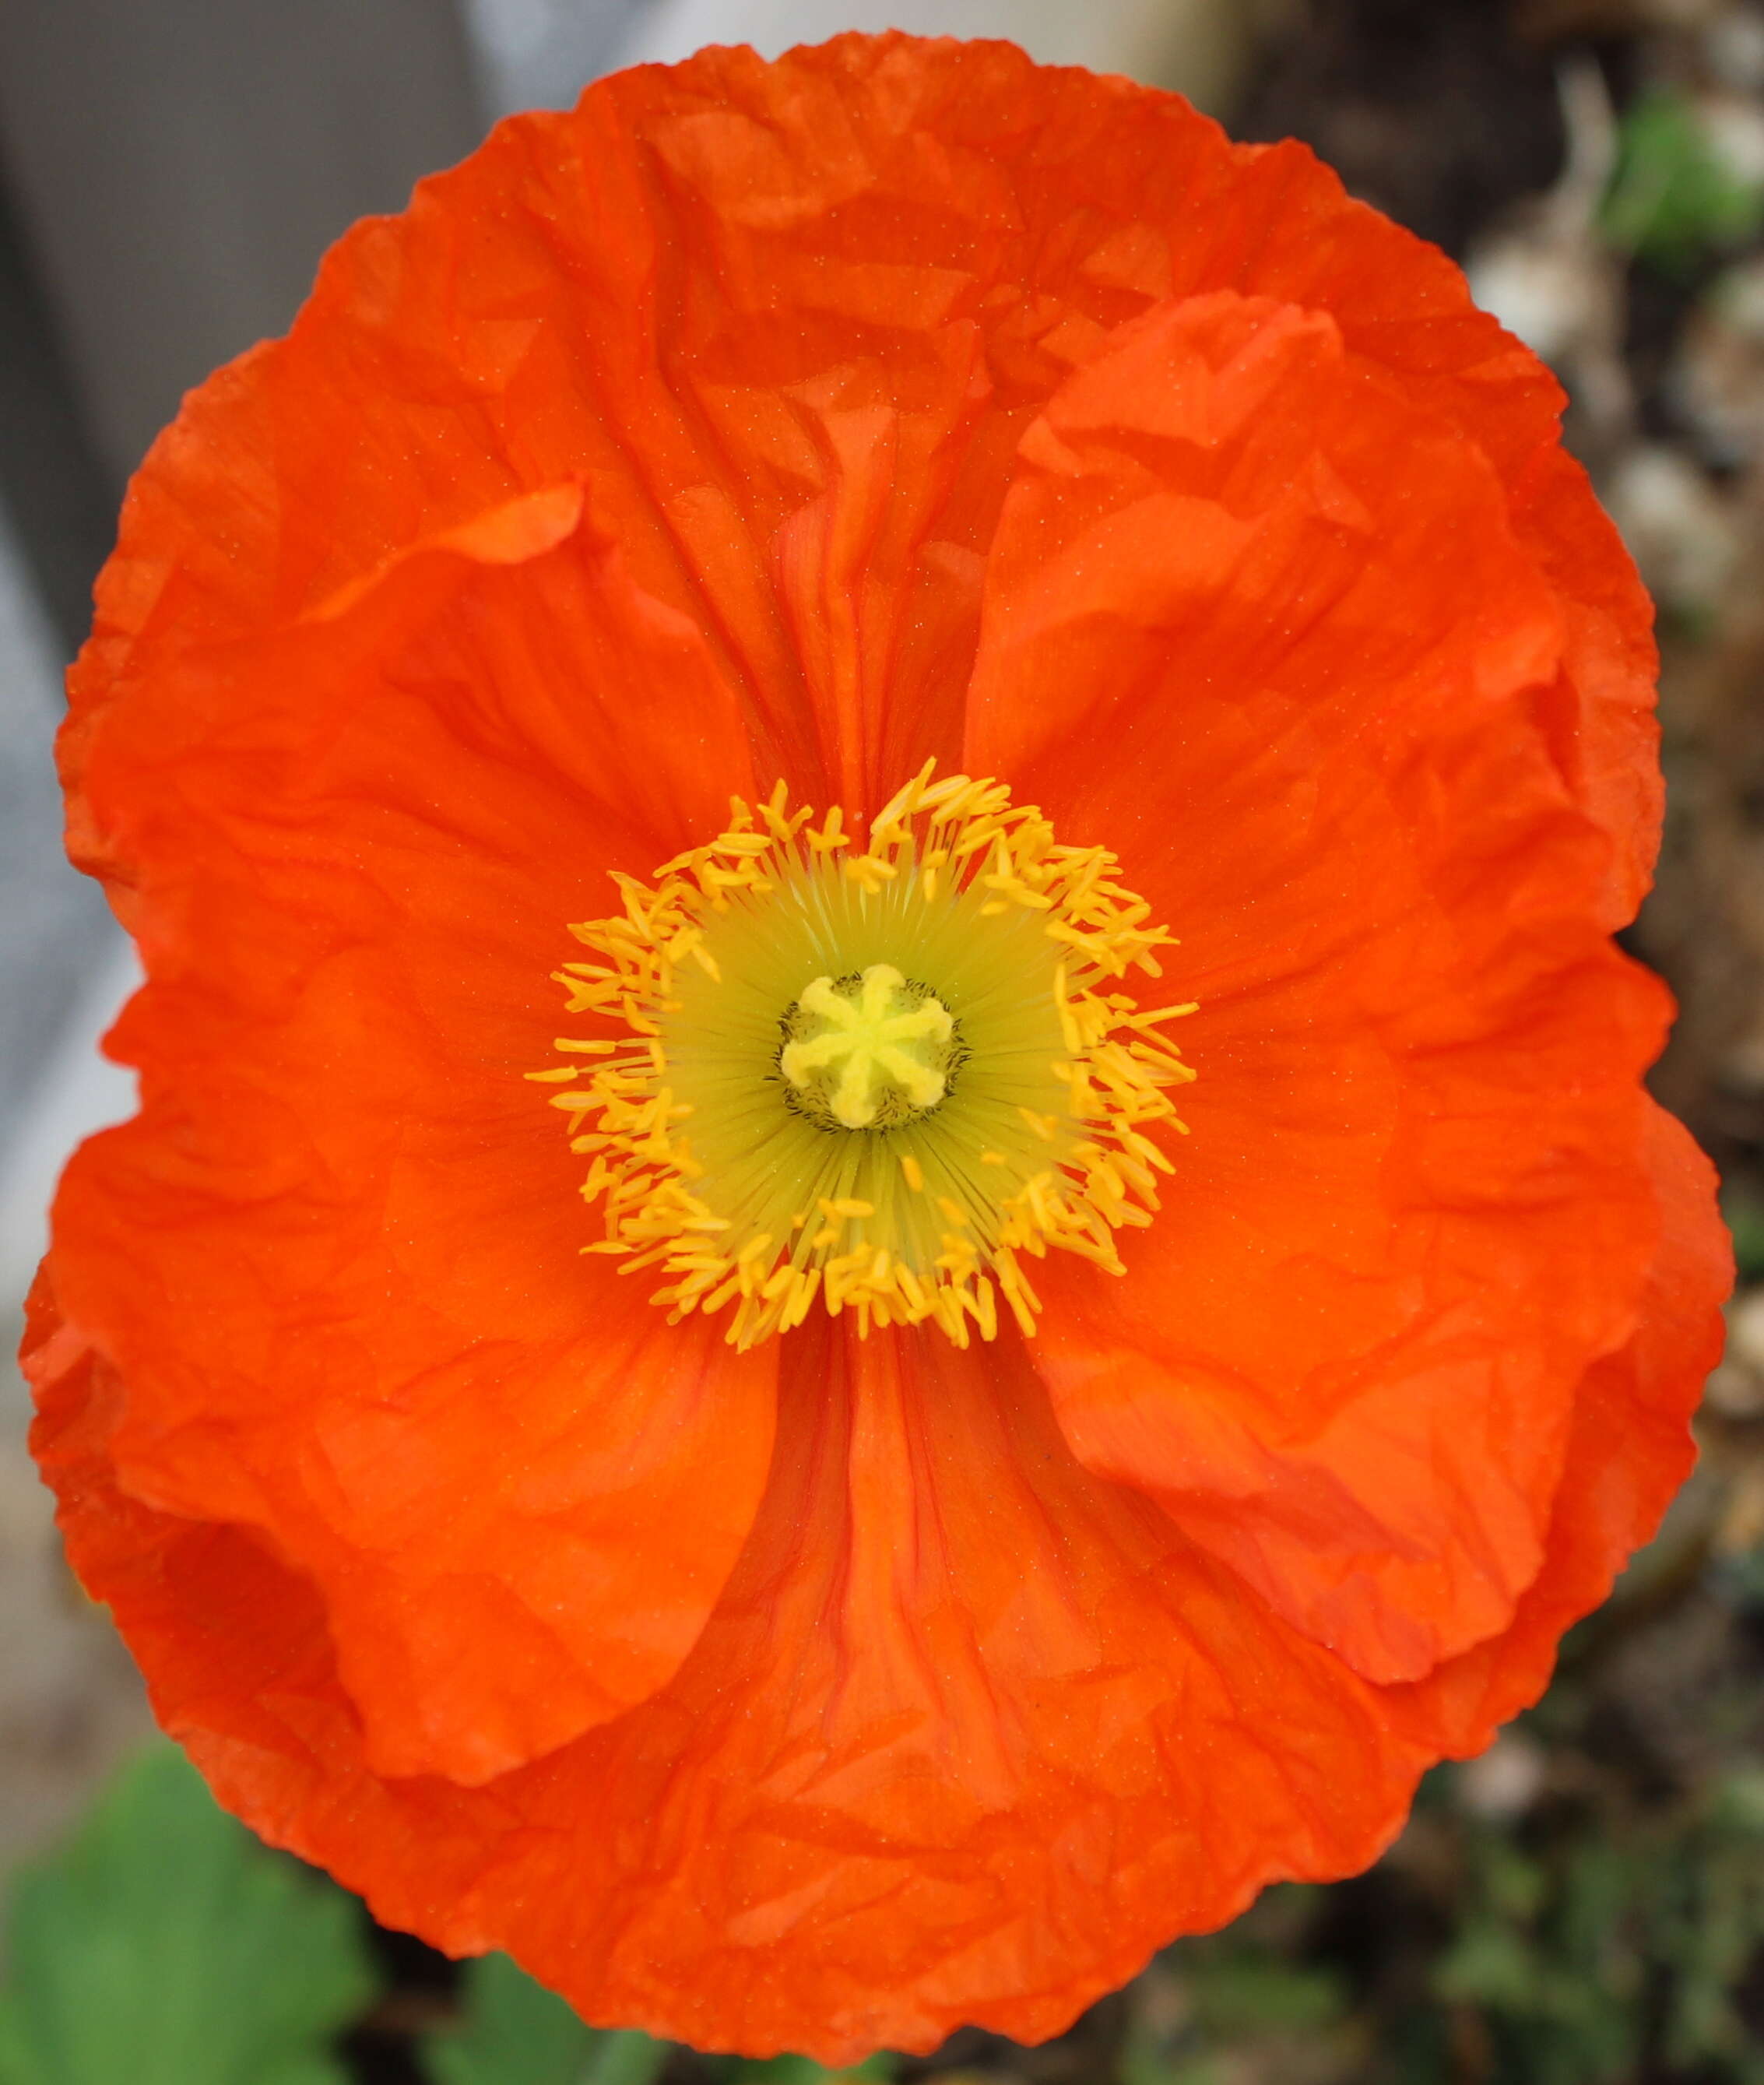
point(877, 1082)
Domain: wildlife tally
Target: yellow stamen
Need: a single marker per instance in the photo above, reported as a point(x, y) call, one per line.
point(970, 1050)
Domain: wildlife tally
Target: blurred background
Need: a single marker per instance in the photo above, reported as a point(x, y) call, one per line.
point(1583, 1903)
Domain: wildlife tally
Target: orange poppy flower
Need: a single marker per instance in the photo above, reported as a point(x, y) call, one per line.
point(1021, 1530)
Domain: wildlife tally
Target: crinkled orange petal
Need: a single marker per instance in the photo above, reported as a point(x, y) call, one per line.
point(906, 1780)
point(1262, 625)
point(787, 321)
point(776, 438)
point(365, 1326)
point(1279, 223)
point(1629, 1451)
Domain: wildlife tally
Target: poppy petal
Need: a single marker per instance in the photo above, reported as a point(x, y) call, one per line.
point(851, 1819)
point(805, 454)
point(350, 878)
point(1410, 1213)
point(1280, 224)
point(1630, 1449)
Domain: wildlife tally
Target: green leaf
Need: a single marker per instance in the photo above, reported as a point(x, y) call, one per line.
point(1246, 1995)
point(1679, 192)
point(624, 2058)
point(1744, 1216)
point(802, 2070)
point(516, 2032)
point(164, 1946)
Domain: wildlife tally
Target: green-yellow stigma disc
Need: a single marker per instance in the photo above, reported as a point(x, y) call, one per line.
point(871, 1082)
point(868, 1052)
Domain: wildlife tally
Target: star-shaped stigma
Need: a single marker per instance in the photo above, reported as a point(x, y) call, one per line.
point(868, 1051)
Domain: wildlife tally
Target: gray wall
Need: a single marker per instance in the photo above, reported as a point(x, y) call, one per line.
point(178, 168)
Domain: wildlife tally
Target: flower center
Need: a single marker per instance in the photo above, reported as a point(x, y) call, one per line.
point(868, 1051)
point(962, 1085)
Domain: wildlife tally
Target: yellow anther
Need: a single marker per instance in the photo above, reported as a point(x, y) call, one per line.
point(869, 872)
point(831, 834)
